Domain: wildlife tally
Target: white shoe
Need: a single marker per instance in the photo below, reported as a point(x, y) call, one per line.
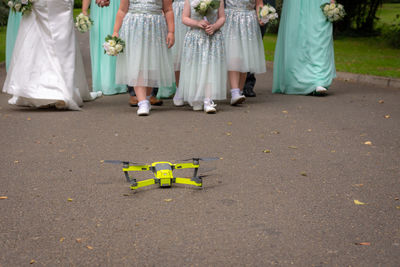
point(94, 95)
point(178, 102)
point(197, 107)
point(237, 99)
point(321, 90)
point(209, 107)
point(13, 100)
point(144, 108)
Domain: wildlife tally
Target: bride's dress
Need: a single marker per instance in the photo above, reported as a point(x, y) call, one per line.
point(46, 66)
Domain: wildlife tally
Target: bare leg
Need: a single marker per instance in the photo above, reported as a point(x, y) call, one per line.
point(234, 79)
point(142, 92)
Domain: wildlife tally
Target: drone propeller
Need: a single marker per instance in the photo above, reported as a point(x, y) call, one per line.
point(121, 162)
point(203, 159)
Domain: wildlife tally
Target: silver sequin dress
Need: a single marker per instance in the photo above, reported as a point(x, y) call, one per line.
point(180, 32)
point(203, 66)
point(146, 60)
point(244, 46)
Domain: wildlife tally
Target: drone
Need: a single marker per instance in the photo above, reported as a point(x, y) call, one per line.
point(163, 172)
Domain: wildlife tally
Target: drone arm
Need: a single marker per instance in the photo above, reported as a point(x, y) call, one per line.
point(188, 181)
point(143, 183)
point(136, 168)
point(185, 166)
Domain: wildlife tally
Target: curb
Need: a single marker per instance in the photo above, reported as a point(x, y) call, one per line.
point(361, 78)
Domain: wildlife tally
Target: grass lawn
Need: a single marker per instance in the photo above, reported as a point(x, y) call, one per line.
point(2, 44)
point(388, 13)
point(364, 55)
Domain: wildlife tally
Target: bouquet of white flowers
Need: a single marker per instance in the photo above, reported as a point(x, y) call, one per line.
point(113, 45)
point(268, 14)
point(83, 23)
point(23, 6)
point(203, 6)
point(333, 12)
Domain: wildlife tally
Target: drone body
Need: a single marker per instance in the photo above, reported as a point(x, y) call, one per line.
point(163, 173)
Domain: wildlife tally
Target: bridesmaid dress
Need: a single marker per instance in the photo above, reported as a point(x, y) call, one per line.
point(203, 63)
point(146, 60)
point(14, 19)
point(46, 66)
point(304, 56)
point(103, 66)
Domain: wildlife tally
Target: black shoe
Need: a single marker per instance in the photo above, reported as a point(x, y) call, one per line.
point(248, 92)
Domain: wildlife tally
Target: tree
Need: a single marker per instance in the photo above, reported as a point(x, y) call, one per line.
point(361, 15)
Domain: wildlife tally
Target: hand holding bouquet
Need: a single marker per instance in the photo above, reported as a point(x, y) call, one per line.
point(113, 45)
point(203, 6)
point(83, 23)
point(333, 11)
point(268, 14)
point(23, 6)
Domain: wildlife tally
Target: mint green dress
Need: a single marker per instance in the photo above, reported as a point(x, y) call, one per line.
point(304, 56)
point(103, 66)
point(14, 19)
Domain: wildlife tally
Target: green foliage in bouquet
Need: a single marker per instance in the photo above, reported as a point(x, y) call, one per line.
point(205, 5)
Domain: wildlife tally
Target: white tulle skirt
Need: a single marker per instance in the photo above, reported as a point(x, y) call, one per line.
point(146, 60)
point(243, 41)
point(203, 69)
point(180, 32)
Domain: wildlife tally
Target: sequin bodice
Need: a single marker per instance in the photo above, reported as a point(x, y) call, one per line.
point(212, 15)
point(241, 4)
point(145, 6)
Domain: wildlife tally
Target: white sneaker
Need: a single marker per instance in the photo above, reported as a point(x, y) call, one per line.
point(144, 108)
point(197, 107)
point(178, 102)
point(209, 107)
point(94, 95)
point(321, 90)
point(237, 99)
point(13, 100)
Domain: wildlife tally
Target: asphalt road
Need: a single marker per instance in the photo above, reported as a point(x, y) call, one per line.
point(294, 206)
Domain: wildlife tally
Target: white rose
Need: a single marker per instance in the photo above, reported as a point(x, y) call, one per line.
point(10, 4)
point(264, 12)
point(326, 8)
point(336, 10)
point(24, 2)
point(272, 9)
point(106, 46)
point(82, 22)
point(203, 6)
point(208, 2)
point(111, 43)
point(330, 13)
point(111, 51)
point(17, 7)
point(332, 6)
point(118, 47)
point(84, 28)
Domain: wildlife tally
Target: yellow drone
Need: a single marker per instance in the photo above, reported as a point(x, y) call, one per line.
point(163, 172)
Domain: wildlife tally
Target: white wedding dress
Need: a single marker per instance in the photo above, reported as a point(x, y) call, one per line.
point(46, 66)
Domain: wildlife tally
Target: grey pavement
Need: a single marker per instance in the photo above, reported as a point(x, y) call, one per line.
point(294, 206)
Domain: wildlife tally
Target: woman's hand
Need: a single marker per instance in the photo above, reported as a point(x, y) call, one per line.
point(260, 22)
point(115, 34)
point(202, 24)
point(84, 12)
point(170, 39)
point(210, 29)
point(332, 1)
